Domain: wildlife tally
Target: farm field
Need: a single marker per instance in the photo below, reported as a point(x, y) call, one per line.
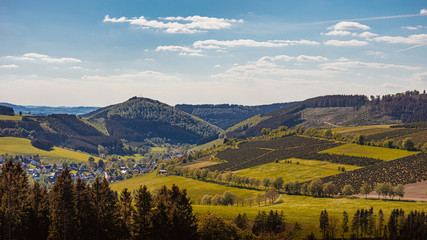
point(208, 145)
point(195, 189)
point(22, 146)
point(306, 210)
point(365, 130)
point(7, 117)
point(200, 163)
point(385, 154)
point(306, 170)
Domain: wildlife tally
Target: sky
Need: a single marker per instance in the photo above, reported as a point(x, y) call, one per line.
point(97, 53)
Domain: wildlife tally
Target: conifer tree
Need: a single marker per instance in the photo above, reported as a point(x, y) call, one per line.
point(355, 224)
point(126, 211)
point(14, 209)
point(85, 210)
point(324, 224)
point(105, 210)
point(62, 208)
point(142, 216)
point(344, 224)
point(39, 213)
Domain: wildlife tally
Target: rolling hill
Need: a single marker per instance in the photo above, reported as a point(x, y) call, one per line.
point(46, 110)
point(338, 110)
point(139, 119)
point(226, 115)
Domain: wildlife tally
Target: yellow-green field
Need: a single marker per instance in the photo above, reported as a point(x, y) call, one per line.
point(7, 117)
point(385, 154)
point(200, 164)
point(195, 189)
point(365, 130)
point(208, 145)
point(304, 171)
point(22, 146)
point(306, 210)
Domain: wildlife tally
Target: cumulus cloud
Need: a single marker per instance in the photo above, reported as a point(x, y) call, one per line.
point(183, 51)
point(217, 44)
point(9, 66)
point(44, 58)
point(377, 53)
point(337, 33)
point(350, 43)
point(348, 26)
point(412, 27)
point(423, 11)
point(366, 35)
point(191, 24)
point(419, 39)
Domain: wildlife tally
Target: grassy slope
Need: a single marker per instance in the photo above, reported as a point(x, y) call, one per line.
point(195, 189)
point(366, 130)
point(306, 210)
point(7, 117)
point(385, 154)
point(255, 120)
point(208, 145)
point(304, 171)
point(23, 146)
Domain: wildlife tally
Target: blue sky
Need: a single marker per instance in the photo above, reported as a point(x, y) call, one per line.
point(97, 53)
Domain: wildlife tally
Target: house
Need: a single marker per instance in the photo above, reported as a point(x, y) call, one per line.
point(74, 167)
point(163, 172)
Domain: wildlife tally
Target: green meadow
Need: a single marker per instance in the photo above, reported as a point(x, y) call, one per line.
point(195, 189)
point(7, 117)
point(306, 170)
point(385, 154)
point(22, 146)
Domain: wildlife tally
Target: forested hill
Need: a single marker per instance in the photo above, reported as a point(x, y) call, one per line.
point(339, 110)
point(45, 110)
point(227, 115)
point(140, 118)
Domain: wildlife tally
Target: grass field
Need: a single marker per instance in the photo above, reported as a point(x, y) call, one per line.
point(304, 171)
point(208, 145)
point(385, 154)
point(365, 130)
point(203, 162)
point(23, 146)
point(195, 189)
point(7, 117)
point(306, 210)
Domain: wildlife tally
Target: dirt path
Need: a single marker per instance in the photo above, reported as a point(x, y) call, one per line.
point(278, 198)
point(414, 191)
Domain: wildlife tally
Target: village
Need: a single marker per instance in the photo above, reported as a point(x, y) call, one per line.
point(47, 173)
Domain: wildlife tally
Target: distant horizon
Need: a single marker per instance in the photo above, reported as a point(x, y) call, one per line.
point(99, 53)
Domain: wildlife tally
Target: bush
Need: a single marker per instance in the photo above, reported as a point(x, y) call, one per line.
point(42, 144)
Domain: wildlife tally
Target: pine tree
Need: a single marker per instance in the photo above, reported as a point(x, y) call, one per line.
point(107, 216)
point(85, 210)
point(39, 213)
point(324, 224)
point(14, 206)
point(355, 224)
point(380, 223)
point(142, 216)
point(241, 221)
point(62, 208)
point(126, 212)
point(344, 223)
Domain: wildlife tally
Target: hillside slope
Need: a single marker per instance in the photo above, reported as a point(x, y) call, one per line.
point(339, 110)
point(140, 118)
point(46, 110)
point(226, 115)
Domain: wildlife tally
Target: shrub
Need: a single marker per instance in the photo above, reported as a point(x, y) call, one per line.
point(42, 144)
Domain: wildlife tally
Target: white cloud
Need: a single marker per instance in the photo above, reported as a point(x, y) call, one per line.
point(412, 27)
point(366, 35)
point(377, 53)
point(346, 65)
point(184, 51)
point(420, 39)
point(217, 66)
point(139, 76)
point(79, 68)
point(348, 26)
point(44, 58)
point(216, 44)
point(337, 33)
point(9, 66)
point(350, 43)
point(191, 24)
point(423, 11)
point(191, 54)
point(311, 58)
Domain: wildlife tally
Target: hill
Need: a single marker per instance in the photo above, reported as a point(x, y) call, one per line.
point(139, 119)
point(227, 115)
point(339, 110)
point(62, 130)
point(22, 146)
point(45, 110)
